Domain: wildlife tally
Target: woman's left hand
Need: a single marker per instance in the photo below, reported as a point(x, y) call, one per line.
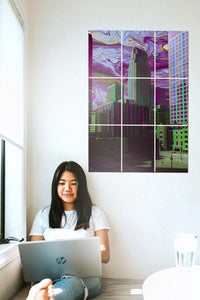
point(105, 249)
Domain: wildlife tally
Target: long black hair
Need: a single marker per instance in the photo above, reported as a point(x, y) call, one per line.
point(82, 204)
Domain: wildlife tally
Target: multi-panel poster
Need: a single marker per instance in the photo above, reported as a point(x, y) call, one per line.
point(138, 101)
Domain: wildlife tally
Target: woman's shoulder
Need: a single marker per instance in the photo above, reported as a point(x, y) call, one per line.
point(44, 212)
point(96, 211)
point(41, 221)
point(99, 218)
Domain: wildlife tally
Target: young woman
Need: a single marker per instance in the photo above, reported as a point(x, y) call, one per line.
point(71, 214)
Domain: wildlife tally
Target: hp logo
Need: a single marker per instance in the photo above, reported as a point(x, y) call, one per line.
point(61, 260)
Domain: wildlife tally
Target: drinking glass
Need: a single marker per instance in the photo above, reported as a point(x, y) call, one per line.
point(185, 249)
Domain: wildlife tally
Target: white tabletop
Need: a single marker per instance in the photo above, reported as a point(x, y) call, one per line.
point(173, 284)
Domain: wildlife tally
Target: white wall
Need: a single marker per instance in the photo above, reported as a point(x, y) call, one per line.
point(144, 210)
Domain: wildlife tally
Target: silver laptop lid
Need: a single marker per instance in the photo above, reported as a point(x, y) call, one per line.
point(53, 259)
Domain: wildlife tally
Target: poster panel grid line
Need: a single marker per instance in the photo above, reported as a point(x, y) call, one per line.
point(154, 133)
point(129, 125)
point(139, 77)
point(122, 100)
point(139, 125)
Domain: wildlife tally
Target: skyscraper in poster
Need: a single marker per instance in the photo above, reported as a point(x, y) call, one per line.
point(178, 87)
point(139, 85)
point(178, 74)
point(139, 89)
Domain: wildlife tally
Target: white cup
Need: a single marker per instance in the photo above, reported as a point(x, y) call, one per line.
point(185, 249)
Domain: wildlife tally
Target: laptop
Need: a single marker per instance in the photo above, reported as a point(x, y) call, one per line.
point(53, 259)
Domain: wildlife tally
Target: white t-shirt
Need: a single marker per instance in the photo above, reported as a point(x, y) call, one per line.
point(41, 225)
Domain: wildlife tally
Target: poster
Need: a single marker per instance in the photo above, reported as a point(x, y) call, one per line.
point(138, 101)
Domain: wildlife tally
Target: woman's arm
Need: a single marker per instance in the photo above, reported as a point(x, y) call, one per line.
point(105, 249)
point(37, 238)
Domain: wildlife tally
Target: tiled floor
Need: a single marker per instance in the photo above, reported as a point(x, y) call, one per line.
point(112, 289)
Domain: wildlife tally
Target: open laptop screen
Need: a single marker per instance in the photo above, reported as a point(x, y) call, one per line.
point(53, 259)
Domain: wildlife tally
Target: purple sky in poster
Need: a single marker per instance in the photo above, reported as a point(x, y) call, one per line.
point(111, 49)
point(107, 52)
point(140, 39)
point(162, 54)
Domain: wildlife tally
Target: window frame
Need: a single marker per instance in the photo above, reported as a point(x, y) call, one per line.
point(16, 9)
point(2, 195)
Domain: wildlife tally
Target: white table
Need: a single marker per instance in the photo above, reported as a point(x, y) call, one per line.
point(173, 284)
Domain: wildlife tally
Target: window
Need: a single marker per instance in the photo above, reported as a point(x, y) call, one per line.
point(11, 123)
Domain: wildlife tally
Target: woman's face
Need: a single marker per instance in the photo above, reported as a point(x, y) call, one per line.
point(67, 189)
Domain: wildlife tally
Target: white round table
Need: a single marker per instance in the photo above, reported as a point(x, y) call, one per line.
point(173, 284)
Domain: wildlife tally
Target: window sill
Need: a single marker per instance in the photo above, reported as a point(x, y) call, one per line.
point(8, 253)
point(10, 270)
